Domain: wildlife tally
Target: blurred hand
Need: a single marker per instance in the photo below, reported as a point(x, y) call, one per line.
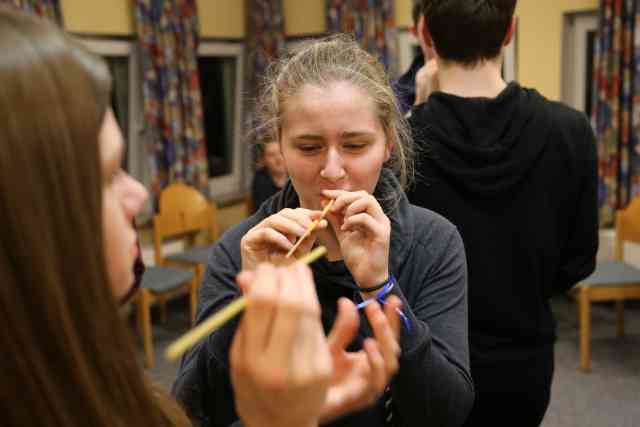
point(359, 378)
point(280, 360)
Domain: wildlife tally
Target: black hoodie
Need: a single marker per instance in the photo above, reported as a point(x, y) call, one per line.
point(433, 385)
point(517, 175)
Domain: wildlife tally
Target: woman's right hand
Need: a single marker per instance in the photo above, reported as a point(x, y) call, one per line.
point(273, 237)
point(280, 361)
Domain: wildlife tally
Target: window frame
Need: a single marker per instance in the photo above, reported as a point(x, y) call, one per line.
point(125, 48)
point(230, 186)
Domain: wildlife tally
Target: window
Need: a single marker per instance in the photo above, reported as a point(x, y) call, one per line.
point(578, 40)
point(126, 100)
point(221, 76)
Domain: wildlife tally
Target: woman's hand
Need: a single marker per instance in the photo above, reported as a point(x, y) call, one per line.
point(273, 237)
point(359, 378)
point(280, 360)
point(363, 231)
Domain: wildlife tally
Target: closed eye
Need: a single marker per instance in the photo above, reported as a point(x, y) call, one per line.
point(353, 146)
point(309, 148)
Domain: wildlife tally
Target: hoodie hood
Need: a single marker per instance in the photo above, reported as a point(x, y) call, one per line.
point(485, 145)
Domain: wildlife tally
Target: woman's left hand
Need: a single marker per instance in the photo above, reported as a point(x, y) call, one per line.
point(363, 231)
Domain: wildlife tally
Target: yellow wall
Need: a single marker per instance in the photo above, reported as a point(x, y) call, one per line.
point(304, 17)
point(221, 18)
point(540, 40)
point(403, 13)
point(218, 18)
point(114, 17)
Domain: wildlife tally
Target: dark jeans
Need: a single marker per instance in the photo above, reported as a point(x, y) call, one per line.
point(512, 393)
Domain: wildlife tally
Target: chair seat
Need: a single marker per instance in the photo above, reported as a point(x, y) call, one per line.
point(612, 274)
point(198, 255)
point(164, 279)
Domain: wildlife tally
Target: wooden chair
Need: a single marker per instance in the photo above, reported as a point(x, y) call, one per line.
point(157, 283)
point(248, 202)
point(184, 213)
point(611, 281)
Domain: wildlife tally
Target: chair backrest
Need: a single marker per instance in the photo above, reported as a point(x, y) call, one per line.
point(183, 212)
point(627, 227)
point(248, 202)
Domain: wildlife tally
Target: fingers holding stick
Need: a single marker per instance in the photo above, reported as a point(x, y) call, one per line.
point(310, 230)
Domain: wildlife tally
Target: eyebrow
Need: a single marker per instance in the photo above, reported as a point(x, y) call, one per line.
point(347, 135)
point(356, 134)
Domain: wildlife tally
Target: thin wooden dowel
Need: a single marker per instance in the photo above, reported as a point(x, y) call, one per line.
point(188, 340)
point(313, 226)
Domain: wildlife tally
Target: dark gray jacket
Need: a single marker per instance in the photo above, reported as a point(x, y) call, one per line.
point(433, 386)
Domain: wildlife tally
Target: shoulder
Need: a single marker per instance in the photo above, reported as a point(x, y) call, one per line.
point(433, 233)
point(566, 120)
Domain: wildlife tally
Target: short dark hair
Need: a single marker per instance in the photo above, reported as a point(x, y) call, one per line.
point(468, 31)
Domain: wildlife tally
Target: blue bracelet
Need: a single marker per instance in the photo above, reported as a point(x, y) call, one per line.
point(381, 297)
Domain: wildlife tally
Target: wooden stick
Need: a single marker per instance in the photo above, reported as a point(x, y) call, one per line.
point(188, 340)
point(313, 226)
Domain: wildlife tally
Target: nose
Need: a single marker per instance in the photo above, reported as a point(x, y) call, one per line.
point(135, 196)
point(334, 166)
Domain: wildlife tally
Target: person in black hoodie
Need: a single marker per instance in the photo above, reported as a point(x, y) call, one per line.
point(344, 138)
point(516, 173)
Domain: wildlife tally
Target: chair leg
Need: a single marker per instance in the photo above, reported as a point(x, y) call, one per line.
point(144, 322)
point(620, 318)
point(585, 330)
point(163, 310)
point(193, 299)
point(199, 276)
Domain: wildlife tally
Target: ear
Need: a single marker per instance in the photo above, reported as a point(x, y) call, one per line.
point(413, 30)
point(510, 31)
point(424, 32)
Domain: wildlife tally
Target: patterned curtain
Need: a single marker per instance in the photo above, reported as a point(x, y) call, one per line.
point(265, 44)
point(168, 34)
point(616, 107)
point(372, 22)
point(45, 8)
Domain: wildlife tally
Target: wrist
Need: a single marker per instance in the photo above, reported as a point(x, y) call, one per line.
point(370, 288)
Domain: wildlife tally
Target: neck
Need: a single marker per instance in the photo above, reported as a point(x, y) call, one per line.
point(480, 81)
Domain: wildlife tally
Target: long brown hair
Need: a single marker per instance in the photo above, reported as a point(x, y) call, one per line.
point(68, 359)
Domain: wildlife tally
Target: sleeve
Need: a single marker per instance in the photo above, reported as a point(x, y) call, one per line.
point(579, 258)
point(203, 385)
point(433, 385)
